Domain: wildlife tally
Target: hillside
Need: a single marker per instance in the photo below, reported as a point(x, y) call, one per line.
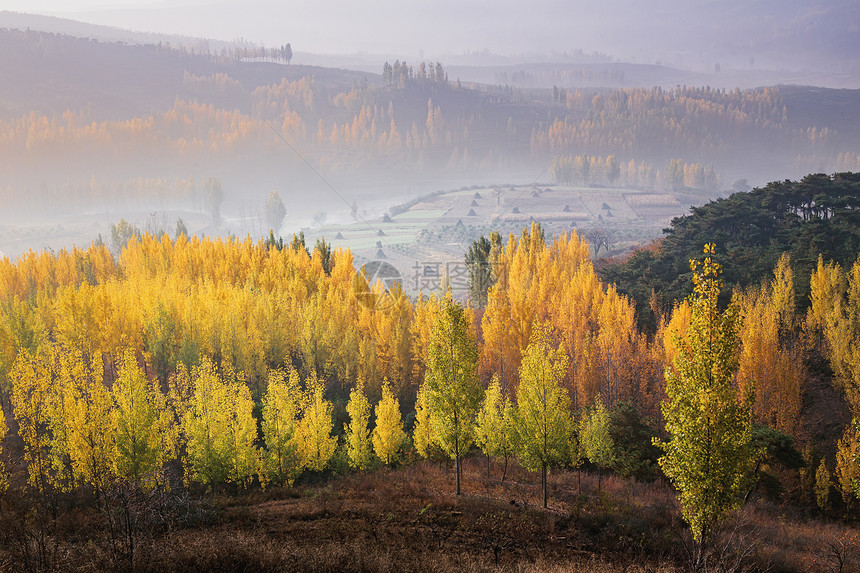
point(815, 216)
point(49, 73)
point(238, 369)
point(109, 130)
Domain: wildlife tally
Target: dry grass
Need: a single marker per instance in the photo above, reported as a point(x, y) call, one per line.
point(409, 520)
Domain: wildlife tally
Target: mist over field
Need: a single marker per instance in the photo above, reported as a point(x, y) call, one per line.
point(128, 110)
point(281, 281)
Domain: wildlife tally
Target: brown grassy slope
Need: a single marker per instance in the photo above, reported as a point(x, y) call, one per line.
point(408, 520)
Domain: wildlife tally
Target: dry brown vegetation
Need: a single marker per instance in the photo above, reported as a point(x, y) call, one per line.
point(408, 520)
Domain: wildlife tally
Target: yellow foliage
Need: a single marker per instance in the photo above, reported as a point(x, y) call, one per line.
point(316, 444)
point(89, 419)
point(388, 435)
point(357, 432)
point(848, 463)
point(281, 405)
point(835, 313)
point(771, 357)
point(31, 388)
point(219, 428)
point(145, 429)
point(557, 284)
point(4, 477)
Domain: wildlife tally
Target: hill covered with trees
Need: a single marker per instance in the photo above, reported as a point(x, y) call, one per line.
point(80, 119)
point(231, 366)
point(816, 216)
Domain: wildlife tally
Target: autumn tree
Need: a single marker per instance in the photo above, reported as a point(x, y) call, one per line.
point(274, 212)
point(595, 436)
point(544, 424)
point(89, 418)
point(144, 431)
point(772, 355)
point(835, 312)
point(388, 435)
point(848, 464)
point(358, 443)
point(495, 428)
point(31, 404)
point(823, 485)
point(281, 406)
point(422, 432)
point(160, 335)
point(219, 428)
point(317, 445)
point(707, 456)
point(453, 391)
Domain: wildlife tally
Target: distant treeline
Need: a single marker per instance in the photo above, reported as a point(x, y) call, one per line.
point(417, 119)
point(675, 176)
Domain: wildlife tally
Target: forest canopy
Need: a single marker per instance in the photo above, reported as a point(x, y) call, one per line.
point(817, 215)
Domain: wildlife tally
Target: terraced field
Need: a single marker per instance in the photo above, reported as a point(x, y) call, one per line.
point(431, 234)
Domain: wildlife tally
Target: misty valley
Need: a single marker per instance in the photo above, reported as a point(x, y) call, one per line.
point(263, 309)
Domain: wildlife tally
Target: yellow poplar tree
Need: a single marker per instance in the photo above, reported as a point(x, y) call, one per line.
point(90, 421)
point(357, 431)
point(281, 406)
point(771, 355)
point(835, 311)
point(847, 460)
point(422, 433)
point(453, 392)
point(495, 428)
point(544, 423)
point(31, 378)
point(219, 428)
point(143, 430)
point(595, 436)
point(4, 477)
point(708, 454)
point(317, 445)
point(823, 484)
point(388, 435)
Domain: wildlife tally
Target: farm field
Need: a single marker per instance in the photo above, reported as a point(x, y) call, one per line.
point(437, 229)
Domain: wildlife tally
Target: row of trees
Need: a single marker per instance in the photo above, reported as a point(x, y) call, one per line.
point(215, 323)
point(675, 176)
point(401, 74)
point(363, 125)
point(250, 306)
point(77, 429)
point(180, 301)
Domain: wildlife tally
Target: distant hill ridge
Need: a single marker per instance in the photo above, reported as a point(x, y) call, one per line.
point(77, 29)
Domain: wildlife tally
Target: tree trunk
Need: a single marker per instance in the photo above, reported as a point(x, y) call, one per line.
point(457, 465)
point(699, 559)
point(543, 483)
